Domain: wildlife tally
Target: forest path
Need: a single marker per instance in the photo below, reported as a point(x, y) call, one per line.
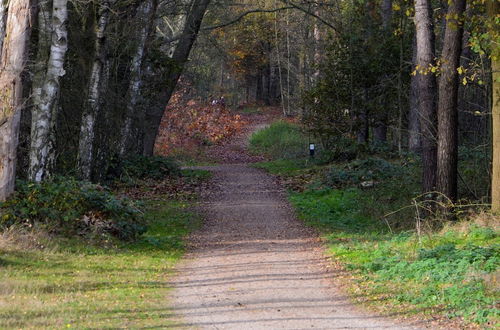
point(255, 266)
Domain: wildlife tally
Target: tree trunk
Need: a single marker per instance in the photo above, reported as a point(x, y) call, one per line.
point(414, 143)
point(13, 59)
point(93, 99)
point(426, 91)
point(493, 9)
point(43, 118)
point(146, 14)
point(447, 154)
point(180, 57)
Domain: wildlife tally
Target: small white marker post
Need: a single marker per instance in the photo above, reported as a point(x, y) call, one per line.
point(312, 148)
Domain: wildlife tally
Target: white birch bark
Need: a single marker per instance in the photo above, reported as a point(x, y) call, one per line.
point(93, 104)
point(42, 152)
point(12, 64)
point(145, 17)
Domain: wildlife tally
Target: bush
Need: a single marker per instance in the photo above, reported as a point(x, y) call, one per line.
point(68, 207)
point(369, 169)
point(143, 167)
point(281, 140)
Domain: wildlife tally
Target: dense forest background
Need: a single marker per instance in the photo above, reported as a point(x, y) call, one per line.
point(92, 79)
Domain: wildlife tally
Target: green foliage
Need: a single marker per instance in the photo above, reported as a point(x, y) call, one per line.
point(68, 207)
point(281, 140)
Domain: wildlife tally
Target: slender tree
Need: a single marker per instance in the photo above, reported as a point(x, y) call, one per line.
point(493, 9)
point(12, 65)
point(427, 91)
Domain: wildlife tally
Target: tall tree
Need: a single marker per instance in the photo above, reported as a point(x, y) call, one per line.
point(12, 65)
point(145, 18)
point(427, 91)
point(47, 87)
point(447, 153)
point(92, 103)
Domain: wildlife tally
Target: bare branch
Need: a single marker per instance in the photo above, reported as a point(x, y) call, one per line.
point(240, 17)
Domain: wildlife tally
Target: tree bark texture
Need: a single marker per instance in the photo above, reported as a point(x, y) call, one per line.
point(12, 65)
point(145, 15)
point(42, 149)
point(93, 99)
point(180, 57)
point(447, 154)
point(426, 91)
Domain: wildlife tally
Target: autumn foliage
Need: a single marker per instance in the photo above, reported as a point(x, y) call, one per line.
point(189, 124)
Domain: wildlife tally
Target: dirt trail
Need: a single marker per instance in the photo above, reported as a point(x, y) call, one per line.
point(255, 266)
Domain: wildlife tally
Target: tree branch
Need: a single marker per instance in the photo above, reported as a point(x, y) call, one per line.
point(240, 17)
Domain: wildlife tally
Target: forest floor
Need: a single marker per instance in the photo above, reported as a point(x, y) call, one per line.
point(253, 265)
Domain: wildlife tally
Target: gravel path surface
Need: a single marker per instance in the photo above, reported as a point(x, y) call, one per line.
point(255, 266)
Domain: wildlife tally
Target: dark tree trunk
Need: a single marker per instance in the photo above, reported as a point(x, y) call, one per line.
point(426, 91)
point(447, 106)
point(180, 57)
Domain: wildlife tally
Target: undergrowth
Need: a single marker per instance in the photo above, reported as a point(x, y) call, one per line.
point(68, 207)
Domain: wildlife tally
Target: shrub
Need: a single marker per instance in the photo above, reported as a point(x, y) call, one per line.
point(68, 207)
point(281, 140)
point(369, 169)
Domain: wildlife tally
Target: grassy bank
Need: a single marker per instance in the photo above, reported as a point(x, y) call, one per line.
point(90, 282)
point(447, 269)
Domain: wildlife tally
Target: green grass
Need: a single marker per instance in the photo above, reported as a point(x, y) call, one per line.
point(76, 285)
point(281, 140)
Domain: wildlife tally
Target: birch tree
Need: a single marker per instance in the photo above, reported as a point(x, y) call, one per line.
point(12, 64)
point(92, 103)
point(145, 15)
point(44, 115)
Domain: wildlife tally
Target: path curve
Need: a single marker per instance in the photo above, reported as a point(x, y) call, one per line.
point(255, 266)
